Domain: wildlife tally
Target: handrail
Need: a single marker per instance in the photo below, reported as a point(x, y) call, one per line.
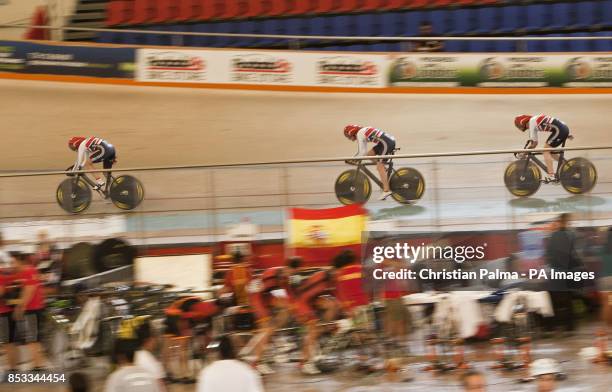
point(315, 160)
point(298, 37)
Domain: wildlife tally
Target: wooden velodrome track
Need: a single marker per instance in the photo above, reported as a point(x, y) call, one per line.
point(153, 126)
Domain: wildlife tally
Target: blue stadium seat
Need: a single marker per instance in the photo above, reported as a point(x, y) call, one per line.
point(343, 25)
point(511, 19)
point(536, 17)
point(579, 45)
point(176, 40)
point(480, 46)
point(244, 27)
point(106, 37)
point(504, 46)
point(223, 27)
point(585, 14)
point(554, 45)
point(367, 25)
point(603, 45)
point(455, 46)
point(392, 24)
point(440, 21)
point(488, 20)
point(273, 27)
point(606, 11)
point(412, 20)
point(156, 39)
point(203, 41)
point(379, 48)
point(355, 48)
point(535, 46)
point(561, 16)
point(463, 21)
point(320, 25)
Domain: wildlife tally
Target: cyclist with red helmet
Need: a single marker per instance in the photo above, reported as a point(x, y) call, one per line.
point(384, 144)
point(556, 130)
point(92, 150)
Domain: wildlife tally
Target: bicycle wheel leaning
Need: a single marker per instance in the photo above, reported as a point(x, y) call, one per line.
point(578, 175)
point(352, 187)
point(407, 184)
point(73, 195)
point(522, 178)
point(126, 192)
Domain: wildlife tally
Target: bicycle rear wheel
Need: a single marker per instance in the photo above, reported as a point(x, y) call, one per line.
point(352, 187)
point(73, 195)
point(522, 178)
point(126, 192)
point(578, 175)
point(407, 184)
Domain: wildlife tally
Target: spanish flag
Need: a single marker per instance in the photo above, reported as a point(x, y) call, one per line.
point(319, 235)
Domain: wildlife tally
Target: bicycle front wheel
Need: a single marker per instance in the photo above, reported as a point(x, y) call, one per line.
point(126, 192)
point(522, 178)
point(578, 175)
point(352, 187)
point(73, 195)
point(407, 184)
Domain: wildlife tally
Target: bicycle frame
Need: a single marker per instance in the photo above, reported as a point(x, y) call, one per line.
point(93, 185)
point(361, 166)
point(532, 156)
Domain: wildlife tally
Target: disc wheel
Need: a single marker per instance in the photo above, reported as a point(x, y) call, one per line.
point(353, 187)
point(578, 175)
point(126, 192)
point(407, 184)
point(522, 178)
point(73, 195)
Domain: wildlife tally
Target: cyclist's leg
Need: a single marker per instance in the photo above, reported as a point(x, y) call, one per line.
point(261, 306)
point(559, 135)
point(384, 147)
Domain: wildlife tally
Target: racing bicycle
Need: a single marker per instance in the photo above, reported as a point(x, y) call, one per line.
point(354, 186)
point(74, 194)
point(523, 177)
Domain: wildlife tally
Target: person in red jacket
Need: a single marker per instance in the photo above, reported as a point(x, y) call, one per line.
point(271, 298)
point(8, 327)
point(181, 317)
point(30, 306)
point(314, 295)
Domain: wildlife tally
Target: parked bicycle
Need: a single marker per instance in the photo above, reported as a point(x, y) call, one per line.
point(354, 185)
point(523, 177)
point(74, 194)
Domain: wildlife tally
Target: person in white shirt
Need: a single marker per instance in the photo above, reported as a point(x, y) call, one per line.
point(144, 357)
point(129, 377)
point(228, 374)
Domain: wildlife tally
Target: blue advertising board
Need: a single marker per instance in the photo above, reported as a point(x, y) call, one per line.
point(37, 58)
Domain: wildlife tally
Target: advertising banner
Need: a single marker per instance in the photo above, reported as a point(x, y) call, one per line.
point(261, 67)
point(36, 58)
point(504, 70)
point(349, 70)
point(173, 65)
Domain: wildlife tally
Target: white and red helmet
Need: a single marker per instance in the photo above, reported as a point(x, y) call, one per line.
point(522, 121)
point(75, 142)
point(350, 131)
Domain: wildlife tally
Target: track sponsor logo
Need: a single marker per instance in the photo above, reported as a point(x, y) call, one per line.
point(588, 71)
point(527, 71)
point(261, 68)
point(9, 60)
point(424, 71)
point(345, 70)
point(174, 66)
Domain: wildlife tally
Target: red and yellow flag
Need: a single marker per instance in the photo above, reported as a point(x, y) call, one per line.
point(318, 235)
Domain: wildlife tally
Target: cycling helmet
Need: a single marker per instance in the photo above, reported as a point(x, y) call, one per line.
point(351, 130)
point(522, 121)
point(75, 142)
